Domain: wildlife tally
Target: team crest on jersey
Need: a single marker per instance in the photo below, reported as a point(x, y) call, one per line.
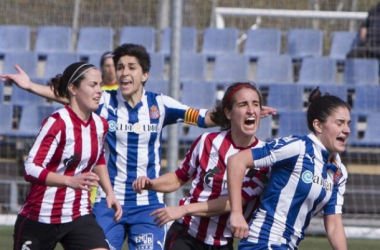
point(337, 175)
point(154, 113)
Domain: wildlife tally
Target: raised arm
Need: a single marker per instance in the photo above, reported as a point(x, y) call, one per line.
point(166, 183)
point(335, 231)
point(236, 167)
point(22, 80)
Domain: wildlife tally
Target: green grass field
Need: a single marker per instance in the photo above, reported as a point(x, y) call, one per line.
point(311, 243)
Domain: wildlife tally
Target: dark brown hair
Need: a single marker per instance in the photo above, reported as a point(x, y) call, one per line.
point(321, 107)
point(218, 116)
point(74, 74)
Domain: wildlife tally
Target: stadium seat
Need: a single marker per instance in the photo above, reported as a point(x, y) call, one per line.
point(304, 43)
point(56, 63)
point(274, 69)
point(367, 98)
point(193, 67)
point(157, 69)
point(372, 131)
point(94, 59)
point(292, 123)
point(53, 39)
point(286, 96)
point(341, 44)
point(361, 72)
point(318, 70)
point(6, 121)
point(27, 60)
point(95, 39)
point(231, 68)
point(157, 86)
point(264, 132)
point(261, 42)
point(31, 119)
point(143, 35)
point(197, 94)
point(14, 38)
point(23, 97)
point(219, 41)
point(188, 40)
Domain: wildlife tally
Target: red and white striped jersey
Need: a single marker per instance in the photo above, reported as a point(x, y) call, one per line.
point(205, 163)
point(67, 146)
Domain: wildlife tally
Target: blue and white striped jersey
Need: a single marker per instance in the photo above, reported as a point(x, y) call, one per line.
point(133, 142)
point(302, 183)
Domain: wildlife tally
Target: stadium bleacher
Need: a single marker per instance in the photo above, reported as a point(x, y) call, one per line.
point(318, 70)
point(219, 41)
point(341, 43)
point(139, 35)
point(189, 37)
point(14, 38)
point(95, 40)
point(261, 42)
point(53, 39)
point(304, 43)
point(270, 52)
point(230, 68)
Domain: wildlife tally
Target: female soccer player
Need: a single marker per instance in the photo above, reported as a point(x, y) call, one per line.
point(238, 116)
point(133, 145)
point(307, 176)
point(66, 159)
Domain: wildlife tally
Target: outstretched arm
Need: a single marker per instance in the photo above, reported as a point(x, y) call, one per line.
point(22, 80)
point(166, 183)
point(209, 208)
point(335, 231)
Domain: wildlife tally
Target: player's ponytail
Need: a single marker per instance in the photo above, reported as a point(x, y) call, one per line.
point(321, 107)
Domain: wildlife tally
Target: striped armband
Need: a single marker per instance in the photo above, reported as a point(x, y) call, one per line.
point(191, 116)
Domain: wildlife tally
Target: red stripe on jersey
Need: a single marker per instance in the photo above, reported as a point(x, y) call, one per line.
point(217, 180)
point(210, 158)
point(36, 193)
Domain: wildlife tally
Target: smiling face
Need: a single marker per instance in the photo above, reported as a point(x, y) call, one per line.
point(335, 131)
point(89, 92)
point(130, 77)
point(244, 115)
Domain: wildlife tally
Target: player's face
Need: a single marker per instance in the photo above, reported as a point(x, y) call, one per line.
point(245, 113)
point(335, 131)
point(89, 92)
point(108, 69)
point(130, 77)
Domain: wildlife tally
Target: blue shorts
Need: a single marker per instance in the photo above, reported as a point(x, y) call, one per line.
point(136, 223)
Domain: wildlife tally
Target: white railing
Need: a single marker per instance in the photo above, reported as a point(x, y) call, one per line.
point(221, 12)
